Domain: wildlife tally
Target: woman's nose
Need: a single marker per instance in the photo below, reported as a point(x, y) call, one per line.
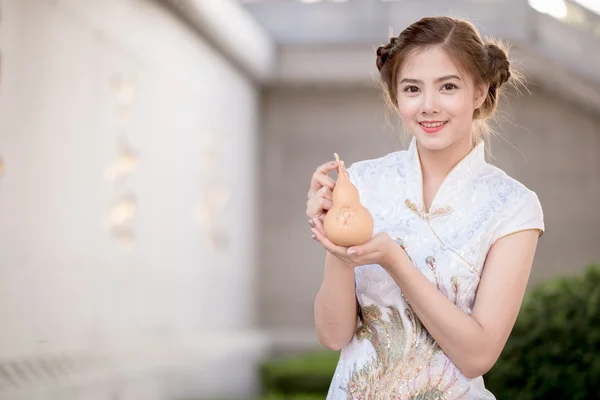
point(430, 104)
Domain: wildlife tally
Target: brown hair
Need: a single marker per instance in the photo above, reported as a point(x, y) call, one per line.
point(485, 62)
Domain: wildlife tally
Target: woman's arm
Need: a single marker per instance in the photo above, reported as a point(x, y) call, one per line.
point(473, 342)
point(335, 304)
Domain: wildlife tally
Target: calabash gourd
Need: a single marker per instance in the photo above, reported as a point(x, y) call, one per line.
point(348, 222)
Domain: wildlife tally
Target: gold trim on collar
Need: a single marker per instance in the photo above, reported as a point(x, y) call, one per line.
point(427, 217)
point(433, 213)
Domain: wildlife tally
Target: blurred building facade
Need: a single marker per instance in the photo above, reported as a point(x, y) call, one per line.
point(156, 157)
point(324, 99)
point(129, 140)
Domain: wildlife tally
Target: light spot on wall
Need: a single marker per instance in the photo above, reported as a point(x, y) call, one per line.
point(122, 213)
point(209, 213)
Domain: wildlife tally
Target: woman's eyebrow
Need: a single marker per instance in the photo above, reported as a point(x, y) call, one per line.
point(440, 79)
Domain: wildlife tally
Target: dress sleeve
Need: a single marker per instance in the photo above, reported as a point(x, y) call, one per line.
point(527, 214)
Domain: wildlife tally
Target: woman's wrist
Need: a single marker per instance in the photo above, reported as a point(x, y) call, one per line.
point(396, 259)
point(345, 263)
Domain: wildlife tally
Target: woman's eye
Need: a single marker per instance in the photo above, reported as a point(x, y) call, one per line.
point(411, 89)
point(449, 86)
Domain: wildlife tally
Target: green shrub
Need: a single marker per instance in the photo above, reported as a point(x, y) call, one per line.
point(551, 352)
point(309, 373)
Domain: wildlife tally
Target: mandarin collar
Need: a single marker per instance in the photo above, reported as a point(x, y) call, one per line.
point(460, 175)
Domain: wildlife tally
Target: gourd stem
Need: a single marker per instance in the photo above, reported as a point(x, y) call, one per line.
point(341, 167)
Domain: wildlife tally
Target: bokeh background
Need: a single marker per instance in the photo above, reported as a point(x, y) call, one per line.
point(154, 162)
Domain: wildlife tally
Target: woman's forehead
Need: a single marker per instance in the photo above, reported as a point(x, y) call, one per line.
point(429, 63)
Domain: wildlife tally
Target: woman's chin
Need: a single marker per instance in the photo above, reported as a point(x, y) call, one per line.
point(432, 142)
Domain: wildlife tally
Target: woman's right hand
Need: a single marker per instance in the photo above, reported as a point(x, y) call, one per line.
point(320, 192)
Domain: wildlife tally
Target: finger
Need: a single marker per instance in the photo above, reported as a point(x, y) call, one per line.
point(370, 247)
point(312, 210)
point(332, 248)
point(317, 223)
point(316, 206)
point(313, 215)
point(319, 203)
point(320, 179)
point(324, 203)
point(325, 192)
point(327, 167)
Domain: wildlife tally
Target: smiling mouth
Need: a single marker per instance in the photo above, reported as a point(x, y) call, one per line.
point(433, 124)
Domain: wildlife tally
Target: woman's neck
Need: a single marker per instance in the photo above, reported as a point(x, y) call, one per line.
point(437, 164)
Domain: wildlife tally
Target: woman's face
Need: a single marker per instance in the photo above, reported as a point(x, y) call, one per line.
point(436, 102)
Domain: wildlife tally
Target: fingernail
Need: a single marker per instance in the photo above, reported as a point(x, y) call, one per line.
point(351, 251)
point(313, 237)
point(311, 222)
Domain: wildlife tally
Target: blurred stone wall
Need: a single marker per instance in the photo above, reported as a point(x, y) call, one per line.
point(548, 144)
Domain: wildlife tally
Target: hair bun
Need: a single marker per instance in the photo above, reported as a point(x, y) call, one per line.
point(498, 65)
point(383, 52)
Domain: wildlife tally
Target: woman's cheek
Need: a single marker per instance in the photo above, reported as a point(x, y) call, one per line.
point(408, 106)
point(456, 105)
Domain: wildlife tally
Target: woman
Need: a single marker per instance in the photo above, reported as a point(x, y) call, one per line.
point(424, 308)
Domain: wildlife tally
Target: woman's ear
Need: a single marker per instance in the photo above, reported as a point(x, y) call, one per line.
point(481, 92)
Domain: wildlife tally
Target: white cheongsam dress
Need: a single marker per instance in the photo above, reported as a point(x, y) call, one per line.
point(392, 356)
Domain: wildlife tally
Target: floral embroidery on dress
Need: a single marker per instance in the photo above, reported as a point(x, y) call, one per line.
point(401, 366)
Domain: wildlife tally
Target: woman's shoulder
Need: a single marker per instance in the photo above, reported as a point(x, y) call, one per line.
point(505, 187)
point(517, 206)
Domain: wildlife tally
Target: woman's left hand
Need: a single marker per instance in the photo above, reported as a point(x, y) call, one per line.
point(380, 249)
